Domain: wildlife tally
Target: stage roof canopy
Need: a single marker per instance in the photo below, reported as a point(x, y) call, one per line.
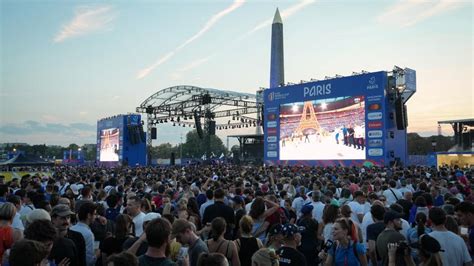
point(469, 121)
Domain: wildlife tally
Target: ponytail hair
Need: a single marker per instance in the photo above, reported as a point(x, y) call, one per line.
point(218, 226)
point(420, 221)
point(351, 228)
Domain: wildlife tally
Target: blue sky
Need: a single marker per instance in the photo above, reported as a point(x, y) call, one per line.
point(66, 64)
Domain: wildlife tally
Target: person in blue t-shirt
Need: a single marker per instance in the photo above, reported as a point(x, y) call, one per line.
point(346, 249)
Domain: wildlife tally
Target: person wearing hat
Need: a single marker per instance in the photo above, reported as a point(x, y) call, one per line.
point(183, 231)
point(391, 234)
point(309, 239)
point(429, 252)
point(64, 247)
point(61, 216)
point(274, 237)
point(288, 253)
point(238, 205)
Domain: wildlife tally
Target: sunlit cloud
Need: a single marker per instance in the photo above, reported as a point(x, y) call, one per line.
point(87, 20)
point(408, 13)
point(286, 13)
point(209, 24)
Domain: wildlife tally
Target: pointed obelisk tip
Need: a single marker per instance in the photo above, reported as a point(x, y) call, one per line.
point(277, 17)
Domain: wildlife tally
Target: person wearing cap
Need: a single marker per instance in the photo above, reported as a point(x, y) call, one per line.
point(64, 247)
point(391, 234)
point(346, 250)
point(309, 236)
point(455, 249)
point(274, 237)
point(183, 231)
point(238, 205)
point(374, 229)
point(288, 253)
point(428, 252)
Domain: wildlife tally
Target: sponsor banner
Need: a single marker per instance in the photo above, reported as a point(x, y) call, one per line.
point(375, 106)
point(272, 124)
point(271, 146)
point(271, 139)
point(374, 116)
point(375, 143)
point(272, 154)
point(272, 131)
point(375, 152)
point(375, 134)
point(375, 124)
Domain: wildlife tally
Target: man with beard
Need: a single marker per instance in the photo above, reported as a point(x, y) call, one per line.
point(64, 247)
point(393, 224)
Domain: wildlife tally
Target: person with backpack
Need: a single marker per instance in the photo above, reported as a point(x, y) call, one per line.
point(345, 251)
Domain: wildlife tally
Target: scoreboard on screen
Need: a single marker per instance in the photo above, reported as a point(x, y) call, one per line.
point(341, 121)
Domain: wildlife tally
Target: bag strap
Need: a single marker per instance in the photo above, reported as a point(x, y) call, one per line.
point(394, 194)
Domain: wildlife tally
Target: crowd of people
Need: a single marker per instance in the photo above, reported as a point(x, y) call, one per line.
point(238, 215)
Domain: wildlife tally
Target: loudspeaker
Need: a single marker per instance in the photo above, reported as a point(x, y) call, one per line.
point(149, 109)
point(405, 116)
point(206, 99)
point(399, 114)
point(142, 133)
point(172, 159)
point(211, 127)
point(153, 133)
point(197, 122)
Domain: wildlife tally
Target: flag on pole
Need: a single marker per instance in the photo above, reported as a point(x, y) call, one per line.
point(222, 156)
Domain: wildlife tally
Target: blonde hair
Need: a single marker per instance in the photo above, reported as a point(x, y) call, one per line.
point(7, 211)
point(265, 257)
point(246, 224)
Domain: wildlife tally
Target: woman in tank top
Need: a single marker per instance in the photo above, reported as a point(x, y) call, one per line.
point(247, 244)
point(218, 244)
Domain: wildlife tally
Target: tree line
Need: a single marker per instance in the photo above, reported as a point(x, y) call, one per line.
point(195, 147)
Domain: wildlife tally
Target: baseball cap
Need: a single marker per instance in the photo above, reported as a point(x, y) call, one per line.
point(151, 216)
point(237, 199)
point(289, 230)
point(391, 215)
point(275, 230)
point(38, 214)
point(430, 244)
point(61, 210)
point(307, 208)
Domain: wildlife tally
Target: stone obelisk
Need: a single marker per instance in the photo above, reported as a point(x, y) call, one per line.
point(277, 72)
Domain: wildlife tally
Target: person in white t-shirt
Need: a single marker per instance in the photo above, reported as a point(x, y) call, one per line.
point(357, 207)
point(392, 194)
point(318, 206)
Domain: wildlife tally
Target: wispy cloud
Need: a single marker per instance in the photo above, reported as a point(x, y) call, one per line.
point(87, 20)
point(407, 13)
point(290, 11)
point(195, 63)
point(209, 24)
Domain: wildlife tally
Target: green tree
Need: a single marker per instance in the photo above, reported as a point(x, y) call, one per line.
point(195, 147)
point(418, 145)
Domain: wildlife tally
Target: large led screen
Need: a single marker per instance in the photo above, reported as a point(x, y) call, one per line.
point(109, 145)
point(323, 129)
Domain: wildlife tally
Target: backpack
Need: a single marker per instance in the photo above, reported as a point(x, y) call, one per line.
point(354, 249)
